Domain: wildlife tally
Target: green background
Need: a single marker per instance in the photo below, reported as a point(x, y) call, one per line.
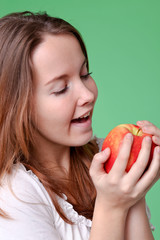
point(123, 42)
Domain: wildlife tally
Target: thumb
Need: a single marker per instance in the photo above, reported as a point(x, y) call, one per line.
point(97, 165)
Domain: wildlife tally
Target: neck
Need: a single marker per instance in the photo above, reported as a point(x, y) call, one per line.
point(51, 156)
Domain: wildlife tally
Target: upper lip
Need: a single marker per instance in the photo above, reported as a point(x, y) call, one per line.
point(84, 114)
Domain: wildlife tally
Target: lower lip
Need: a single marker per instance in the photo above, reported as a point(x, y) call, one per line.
point(86, 124)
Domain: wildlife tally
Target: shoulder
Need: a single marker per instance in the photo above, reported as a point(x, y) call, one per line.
point(28, 205)
point(24, 185)
point(33, 216)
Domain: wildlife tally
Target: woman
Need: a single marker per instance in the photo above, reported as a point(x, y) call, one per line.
point(53, 184)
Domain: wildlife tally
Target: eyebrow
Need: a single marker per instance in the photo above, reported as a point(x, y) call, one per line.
point(63, 75)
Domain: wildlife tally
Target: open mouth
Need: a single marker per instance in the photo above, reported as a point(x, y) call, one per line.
point(81, 119)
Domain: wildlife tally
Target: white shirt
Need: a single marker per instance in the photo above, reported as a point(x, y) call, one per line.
point(34, 216)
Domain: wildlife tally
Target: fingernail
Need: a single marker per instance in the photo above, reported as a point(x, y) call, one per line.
point(147, 139)
point(144, 129)
point(129, 136)
point(139, 122)
point(158, 149)
point(106, 150)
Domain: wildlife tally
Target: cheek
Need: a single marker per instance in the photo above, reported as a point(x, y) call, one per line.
point(52, 112)
point(42, 111)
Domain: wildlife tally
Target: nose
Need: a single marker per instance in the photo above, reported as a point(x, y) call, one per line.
point(86, 94)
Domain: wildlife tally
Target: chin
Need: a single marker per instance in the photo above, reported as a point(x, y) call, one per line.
point(80, 141)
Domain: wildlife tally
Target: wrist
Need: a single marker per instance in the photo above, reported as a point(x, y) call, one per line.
point(140, 205)
point(111, 205)
point(106, 219)
point(108, 208)
point(137, 219)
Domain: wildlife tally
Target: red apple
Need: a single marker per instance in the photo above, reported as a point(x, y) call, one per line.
point(114, 140)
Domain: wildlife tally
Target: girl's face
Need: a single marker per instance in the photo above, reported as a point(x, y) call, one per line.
point(64, 92)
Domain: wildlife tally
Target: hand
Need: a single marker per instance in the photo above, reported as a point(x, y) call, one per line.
point(148, 127)
point(119, 189)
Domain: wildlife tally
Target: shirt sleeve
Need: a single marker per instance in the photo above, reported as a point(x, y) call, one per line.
point(100, 143)
point(31, 215)
point(149, 218)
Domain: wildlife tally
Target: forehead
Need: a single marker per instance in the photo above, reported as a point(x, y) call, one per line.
point(57, 50)
point(56, 55)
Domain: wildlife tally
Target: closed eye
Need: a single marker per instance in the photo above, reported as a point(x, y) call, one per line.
point(61, 91)
point(86, 76)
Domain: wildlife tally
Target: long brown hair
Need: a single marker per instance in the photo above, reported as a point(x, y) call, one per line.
point(20, 33)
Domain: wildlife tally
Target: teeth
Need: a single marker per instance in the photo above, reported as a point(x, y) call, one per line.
point(86, 115)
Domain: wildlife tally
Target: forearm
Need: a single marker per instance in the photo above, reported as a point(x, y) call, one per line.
point(108, 224)
point(137, 223)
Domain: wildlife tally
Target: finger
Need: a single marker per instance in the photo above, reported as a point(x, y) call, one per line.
point(156, 140)
point(148, 127)
point(151, 129)
point(143, 123)
point(123, 155)
point(140, 165)
point(97, 165)
point(152, 174)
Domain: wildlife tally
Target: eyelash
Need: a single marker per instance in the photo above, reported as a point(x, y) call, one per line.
point(85, 77)
point(61, 91)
